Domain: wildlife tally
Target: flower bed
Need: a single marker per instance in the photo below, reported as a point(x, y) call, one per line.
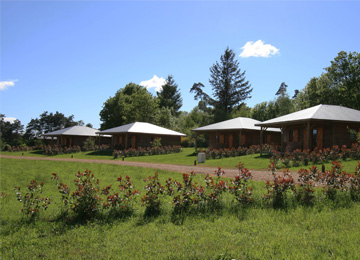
point(143, 151)
point(317, 156)
point(221, 153)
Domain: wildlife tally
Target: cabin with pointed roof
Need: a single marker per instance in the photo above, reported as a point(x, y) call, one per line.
point(321, 126)
point(140, 134)
point(240, 131)
point(76, 135)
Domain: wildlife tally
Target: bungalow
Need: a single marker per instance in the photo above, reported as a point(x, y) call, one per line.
point(140, 134)
point(76, 135)
point(321, 126)
point(237, 132)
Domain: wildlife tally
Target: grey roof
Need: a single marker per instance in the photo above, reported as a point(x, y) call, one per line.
point(141, 128)
point(233, 124)
point(319, 112)
point(74, 130)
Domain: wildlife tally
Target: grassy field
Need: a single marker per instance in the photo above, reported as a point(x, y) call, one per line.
point(186, 157)
point(328, 230)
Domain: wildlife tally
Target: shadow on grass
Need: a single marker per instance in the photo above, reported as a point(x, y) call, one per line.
point(101, 153)
point(192, 154)
point(264, 156)
point(38, 152)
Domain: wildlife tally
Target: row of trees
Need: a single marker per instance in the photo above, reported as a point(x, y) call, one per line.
point(13, 134)
point(338, 85)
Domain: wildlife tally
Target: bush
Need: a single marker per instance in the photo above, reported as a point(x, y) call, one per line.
point(240, 189)
point(305, 192)
point(277, 190)
point(151, 200)
point(85, 201)
point(32, 201)
point(355, 184)
point(121, 203)
point(334, 180)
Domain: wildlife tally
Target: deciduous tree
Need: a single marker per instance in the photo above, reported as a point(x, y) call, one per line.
point(130, 104)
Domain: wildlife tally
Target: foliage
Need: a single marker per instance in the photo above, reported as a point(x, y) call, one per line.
point(305, 192)
point(55, 150)
point(169, 96)
point(240, 189)
point(156, 143)
point(355, 183)
point(85, 201)
point(278, 189)
point(48, 122)
point(240, 151)
point(151, 200)
point(121, 203)
point(229, 86)
point(89, 144)
point(280, 106)
point(339, 85)
point(32, 201)
point(130, 104)
point(304, 157)
point(10, 133)
point(143, 151)
point(334, 180)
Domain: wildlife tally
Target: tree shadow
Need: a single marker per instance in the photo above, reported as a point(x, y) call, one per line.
point(100, 153)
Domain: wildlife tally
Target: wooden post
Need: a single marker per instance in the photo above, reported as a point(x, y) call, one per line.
point(282, 138)
point(240, 138)
point(126, 141)
point(216, 140)
point(308, 136)
point(196, 134)
point(261, 141)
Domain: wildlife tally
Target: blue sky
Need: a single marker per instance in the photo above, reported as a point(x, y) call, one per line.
point(71, 56)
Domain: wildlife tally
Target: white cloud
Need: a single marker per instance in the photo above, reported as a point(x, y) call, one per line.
point(9, 119)
point(155, 82)
point(258, 49)
point(5, 84)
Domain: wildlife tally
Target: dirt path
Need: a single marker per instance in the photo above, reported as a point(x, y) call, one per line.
point(199, 169)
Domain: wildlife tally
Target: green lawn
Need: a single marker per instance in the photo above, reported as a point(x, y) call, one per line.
point(324, 231)
point(186, 157)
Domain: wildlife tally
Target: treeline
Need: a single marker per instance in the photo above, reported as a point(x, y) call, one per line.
point(339, 84)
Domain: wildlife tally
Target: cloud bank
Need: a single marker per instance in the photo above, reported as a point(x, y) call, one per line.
point(155, 82)
point(5, 84)
point(258, 49)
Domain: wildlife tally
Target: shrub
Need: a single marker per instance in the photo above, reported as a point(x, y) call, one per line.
point(188, 193)
point(277, 190)
point(122, 203)
point(85, 201)
point(151, 200)
point(32, 201)
point(240, 189)
point(89, 144)
point(305, 189)
point(355, 184)
point(334, 180)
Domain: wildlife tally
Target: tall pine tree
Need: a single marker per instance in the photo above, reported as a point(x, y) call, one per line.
point(169, 96)
point(229, 86)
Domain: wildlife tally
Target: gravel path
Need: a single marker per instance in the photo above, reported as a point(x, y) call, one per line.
point(199, 169)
